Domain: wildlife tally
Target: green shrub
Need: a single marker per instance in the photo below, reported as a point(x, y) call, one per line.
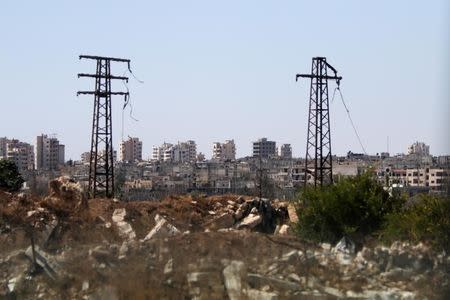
point(427, 220)
point(10, 178)
point(354, 206)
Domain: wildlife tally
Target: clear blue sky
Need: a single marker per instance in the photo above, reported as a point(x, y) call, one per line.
point(217, 70)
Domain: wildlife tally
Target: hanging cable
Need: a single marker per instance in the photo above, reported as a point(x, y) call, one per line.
point(351, 121)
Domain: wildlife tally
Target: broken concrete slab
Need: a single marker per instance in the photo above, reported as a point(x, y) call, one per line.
point(233, 275)
point(250, 221)
point(162, 229)
point(124, 228)
point(45, 261)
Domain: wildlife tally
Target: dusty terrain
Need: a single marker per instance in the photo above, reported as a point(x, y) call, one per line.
point(222, 247)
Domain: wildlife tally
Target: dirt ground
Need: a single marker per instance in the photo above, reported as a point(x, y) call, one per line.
point(93, 253)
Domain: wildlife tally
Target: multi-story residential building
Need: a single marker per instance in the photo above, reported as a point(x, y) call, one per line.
point(224, 151)
point(21, 153)
point(434, 178)
point(285, 151)
point(131, 150)
point(181, 152)
point(49, 153)
point(264, 148)
point(419, 148)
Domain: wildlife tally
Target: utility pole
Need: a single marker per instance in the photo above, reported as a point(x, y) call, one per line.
point(101, 166)
point(318, 142)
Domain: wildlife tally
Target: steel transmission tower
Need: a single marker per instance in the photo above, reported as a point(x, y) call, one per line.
point(318, 142)
point(101, 166)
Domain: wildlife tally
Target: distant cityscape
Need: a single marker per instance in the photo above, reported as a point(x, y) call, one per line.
point(179, 168)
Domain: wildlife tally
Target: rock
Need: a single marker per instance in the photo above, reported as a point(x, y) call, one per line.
point(294, 278)
point(251, 221)
point(100, 254)
point(31, 212)
point(85, 285)
point(258, 281)
point(291, 256)
point(225, 220)
point(12, 284)
point(125, 229)
point(293, 218)
point(334, 292)
point(345, 245)
point(241, 211)
point(205, 285)
point(123, 250)
point(253, 294)
point(168, 268)
point(233, 275)
point(284, 230)
point(240, 200)
point(161, 229)
point(119, 215)
point(325, 246)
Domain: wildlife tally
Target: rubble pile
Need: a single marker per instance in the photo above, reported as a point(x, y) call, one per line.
point(218, 247)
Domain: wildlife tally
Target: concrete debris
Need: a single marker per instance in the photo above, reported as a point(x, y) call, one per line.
point(233, 275)
point(168, 268)
point(212, 259)
point(250, 221)
point(345, 245)
point(162, 229)
point(124, 228)
point(45, 261)
point(283, 230)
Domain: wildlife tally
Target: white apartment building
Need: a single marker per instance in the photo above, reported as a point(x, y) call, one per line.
point(224, 151)
point(418, 177)
point(21, 153)
point(131, 150)
point(285, 151)
point(181, 152)
point(49, 153)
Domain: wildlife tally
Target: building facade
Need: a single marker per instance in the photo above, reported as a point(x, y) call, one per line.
point(49, 153)
point(224, 151)
point(285, 151)
point(264, 148)
point(131, 150)
point(22, 154)
point(181, 152)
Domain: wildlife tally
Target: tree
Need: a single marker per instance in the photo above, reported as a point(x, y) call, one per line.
point(10, 178)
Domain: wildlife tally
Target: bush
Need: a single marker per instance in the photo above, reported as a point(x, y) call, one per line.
point(354, 206)
point(10, 178)
point(427, 220)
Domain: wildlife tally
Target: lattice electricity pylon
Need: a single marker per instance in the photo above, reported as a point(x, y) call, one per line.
point(101, 166)
point(318, 142)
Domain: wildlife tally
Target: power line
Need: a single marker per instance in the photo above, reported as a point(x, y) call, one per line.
point(351, 120)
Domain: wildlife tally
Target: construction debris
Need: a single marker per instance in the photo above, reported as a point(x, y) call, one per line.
point(245, 250)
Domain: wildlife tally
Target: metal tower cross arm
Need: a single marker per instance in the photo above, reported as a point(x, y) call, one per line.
point(101, 166)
